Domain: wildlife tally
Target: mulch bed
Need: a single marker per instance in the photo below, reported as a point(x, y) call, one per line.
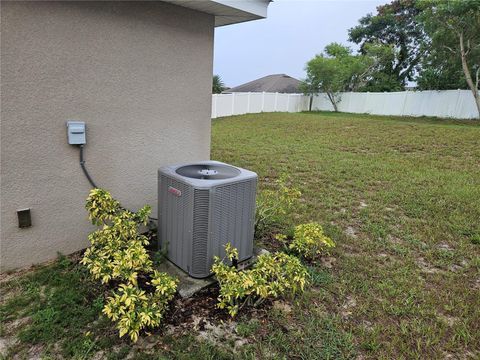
point(201, 305)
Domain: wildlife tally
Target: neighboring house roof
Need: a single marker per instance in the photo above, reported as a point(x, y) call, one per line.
point(280, 83)
point(228, 11)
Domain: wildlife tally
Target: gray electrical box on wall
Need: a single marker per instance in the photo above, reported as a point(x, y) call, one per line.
point(76, 131)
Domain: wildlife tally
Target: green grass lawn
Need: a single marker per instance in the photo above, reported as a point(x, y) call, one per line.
point(400, 197)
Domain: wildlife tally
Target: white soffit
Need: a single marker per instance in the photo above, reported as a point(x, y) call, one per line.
point(228, 11)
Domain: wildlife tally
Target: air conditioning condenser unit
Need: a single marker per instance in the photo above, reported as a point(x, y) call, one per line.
point(201, 207)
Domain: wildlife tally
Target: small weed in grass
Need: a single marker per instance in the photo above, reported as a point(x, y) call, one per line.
point(319, 277)
point(248, 328)
point(475, 239)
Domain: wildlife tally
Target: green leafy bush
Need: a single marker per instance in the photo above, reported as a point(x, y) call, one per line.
point(117, 252)
point(309, 241)
point(273, 207)
point(272, 276)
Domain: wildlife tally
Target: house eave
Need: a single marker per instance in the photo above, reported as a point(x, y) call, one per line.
point(228, 12)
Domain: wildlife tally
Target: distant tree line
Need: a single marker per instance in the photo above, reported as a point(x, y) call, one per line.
point(434, 43)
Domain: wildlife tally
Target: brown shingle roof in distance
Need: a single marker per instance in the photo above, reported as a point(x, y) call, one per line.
point(280, 83)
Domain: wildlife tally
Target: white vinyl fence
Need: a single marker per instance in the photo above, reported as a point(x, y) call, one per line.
point(246, 103)
point(458, 104)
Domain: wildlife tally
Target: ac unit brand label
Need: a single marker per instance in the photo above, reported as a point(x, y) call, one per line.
point(174, 191)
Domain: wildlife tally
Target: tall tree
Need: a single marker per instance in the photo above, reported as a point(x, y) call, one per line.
point(334, 71)
point(378, 79)
point(217, 84)
point(454, 30)
point(395, 26)
point(439, 70)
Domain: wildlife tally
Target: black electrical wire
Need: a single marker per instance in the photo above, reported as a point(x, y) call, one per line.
point(85, 171)
point(89, 178)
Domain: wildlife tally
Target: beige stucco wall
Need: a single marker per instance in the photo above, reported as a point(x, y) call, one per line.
point(138, 73)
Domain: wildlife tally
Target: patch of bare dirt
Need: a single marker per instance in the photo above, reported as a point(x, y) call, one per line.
point(351, 231)
point(445, 247)
point(362, 205)
point(200, 310)
point(348, 250)
point(222, 335)
point(10, 275)
point(5, 344)
point(467, 355)
point(394, 240)
point(455, 268)
point(12, 327)
point(34, 353)
point(426, 267)
point(476, 284)
point(9, 338)
point(282, 306)
point(449, 320)
point(7, 294)
point(328, 262)
point(200, 314)
point(348, 306)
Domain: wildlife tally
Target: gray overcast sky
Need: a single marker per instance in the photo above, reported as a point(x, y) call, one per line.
point(293, 33)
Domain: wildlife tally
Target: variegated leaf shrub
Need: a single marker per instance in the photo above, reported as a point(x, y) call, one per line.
point(117, 252)
point(135, 309)
point(272, 276)
point(309, 241)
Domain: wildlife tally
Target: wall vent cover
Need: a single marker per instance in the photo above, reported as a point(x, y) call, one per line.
point(201, 207)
